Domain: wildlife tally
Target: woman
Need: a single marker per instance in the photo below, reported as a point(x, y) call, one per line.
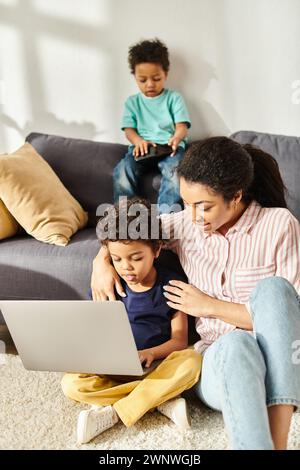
point(239, 247)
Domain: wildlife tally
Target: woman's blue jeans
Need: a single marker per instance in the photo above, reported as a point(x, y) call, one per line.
point(243, 374)
point(127, 174)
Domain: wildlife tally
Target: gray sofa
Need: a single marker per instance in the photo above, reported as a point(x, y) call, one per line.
point(33, 270)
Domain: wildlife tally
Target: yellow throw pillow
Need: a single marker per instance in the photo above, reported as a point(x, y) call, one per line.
point(37, 199)
point(8, 225)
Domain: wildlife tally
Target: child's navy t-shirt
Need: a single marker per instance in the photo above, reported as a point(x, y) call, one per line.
point(148, 312)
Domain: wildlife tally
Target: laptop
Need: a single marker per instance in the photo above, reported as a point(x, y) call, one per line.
point(91, 337)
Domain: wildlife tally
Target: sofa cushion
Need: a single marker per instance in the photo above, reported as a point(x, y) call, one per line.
point(8, 225)
point(37, 199)
point(85, 168)
point(286, 150)
point(30, 269)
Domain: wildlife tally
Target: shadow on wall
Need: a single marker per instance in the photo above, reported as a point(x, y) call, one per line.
point(32, 24)
point(206, 121)
point(50, 124)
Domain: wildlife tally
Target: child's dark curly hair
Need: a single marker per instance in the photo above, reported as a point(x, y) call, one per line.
point(130, 220)
point(153, 51)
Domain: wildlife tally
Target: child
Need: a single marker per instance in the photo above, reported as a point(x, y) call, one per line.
point(156, 115)
point(159, 333)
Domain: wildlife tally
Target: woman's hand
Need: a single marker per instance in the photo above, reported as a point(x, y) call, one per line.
point(105, 278)
point(188, 299)
point(146, 356)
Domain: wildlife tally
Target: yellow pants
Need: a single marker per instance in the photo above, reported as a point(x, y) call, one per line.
point(131, 400)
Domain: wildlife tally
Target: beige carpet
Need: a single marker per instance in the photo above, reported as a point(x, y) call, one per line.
point(34, 414)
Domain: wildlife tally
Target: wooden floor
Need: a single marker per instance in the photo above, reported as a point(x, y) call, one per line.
point(9, 344)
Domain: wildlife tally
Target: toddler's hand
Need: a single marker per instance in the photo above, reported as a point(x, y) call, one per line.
point(146, 356)
point(173, 142)
point(141, 148)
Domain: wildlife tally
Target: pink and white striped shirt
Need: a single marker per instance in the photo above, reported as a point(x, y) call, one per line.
point(264, 242)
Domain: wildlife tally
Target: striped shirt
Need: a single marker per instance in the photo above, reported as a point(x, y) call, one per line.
point(263, 242)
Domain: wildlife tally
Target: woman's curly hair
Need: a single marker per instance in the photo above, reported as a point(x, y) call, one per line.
point(226, 167)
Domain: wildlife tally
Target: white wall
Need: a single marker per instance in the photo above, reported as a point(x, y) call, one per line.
point(63, 66)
